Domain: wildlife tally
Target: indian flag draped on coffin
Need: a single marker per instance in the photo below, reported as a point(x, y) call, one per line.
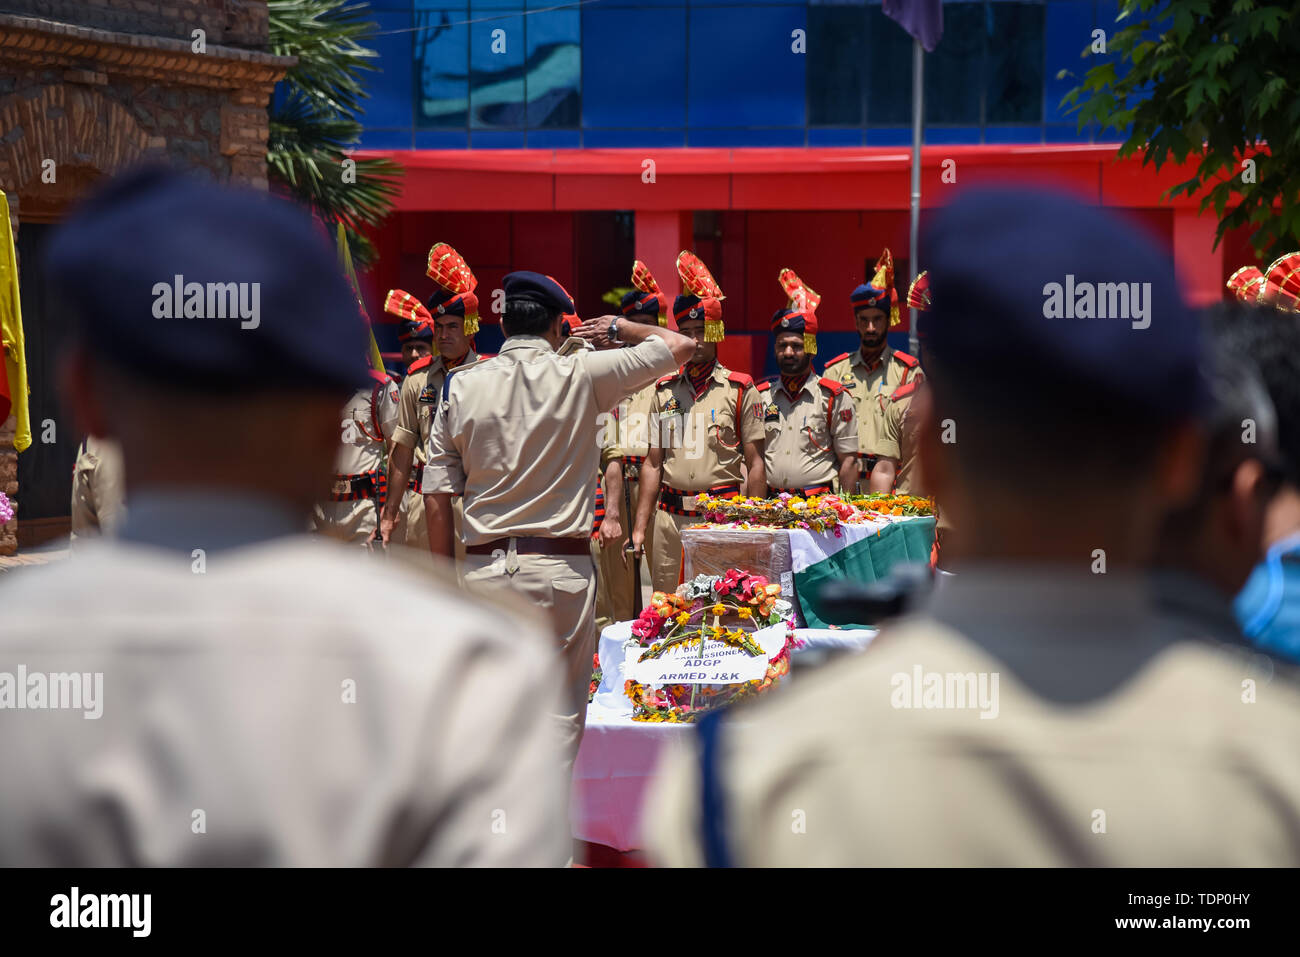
point(863, 553)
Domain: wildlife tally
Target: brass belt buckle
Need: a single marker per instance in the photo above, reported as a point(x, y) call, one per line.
point(688, 502)
point(341, 487)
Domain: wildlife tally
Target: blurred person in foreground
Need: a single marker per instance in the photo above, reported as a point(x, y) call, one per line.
point(1038, 711)
point(245, 705)
point(1268, 606)
point(1209, 547)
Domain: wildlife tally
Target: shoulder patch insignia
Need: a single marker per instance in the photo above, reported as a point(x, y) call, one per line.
point(903, 391)
point(672, 406)
point(428, 394)
point(830, 384)
point(770, 413)
point(846, 415)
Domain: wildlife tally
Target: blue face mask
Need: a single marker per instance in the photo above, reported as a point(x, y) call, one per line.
point(1268, 605)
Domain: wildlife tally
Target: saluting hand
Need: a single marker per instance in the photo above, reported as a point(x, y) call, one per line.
point(596, 331)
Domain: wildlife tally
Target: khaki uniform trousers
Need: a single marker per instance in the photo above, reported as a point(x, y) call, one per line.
point(349, 522)
point(563, 586)
point(666, 561)
point(415, 533)
point(615, 585)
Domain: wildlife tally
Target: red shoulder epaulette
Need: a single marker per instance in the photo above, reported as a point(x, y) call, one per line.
point(492, 356)
point(419, 364)
point(835, 387)
point(907, 359)
point(763, 386)
point(903, 391)
point(379, 376)
point(842, 355)
point(740, 378)
point(668, 378)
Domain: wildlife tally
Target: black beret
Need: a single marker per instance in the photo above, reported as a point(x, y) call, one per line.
point(207, 288)
point(535, 287)
point(1087, 307)
point(787, 320)
point(415, 330)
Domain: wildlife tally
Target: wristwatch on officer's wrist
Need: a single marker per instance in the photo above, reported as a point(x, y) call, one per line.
point(612, 331)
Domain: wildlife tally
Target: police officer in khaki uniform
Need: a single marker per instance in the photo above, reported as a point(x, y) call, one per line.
point(873, 372)
point(517, 436)
point(452, 315)
point(97, 490)
point(812, 435)
point(705, 426)
point(628, 438)
point(360, 487)
point(416, 338)
point(251, 704)
point(897, 442)
point(1038, 711)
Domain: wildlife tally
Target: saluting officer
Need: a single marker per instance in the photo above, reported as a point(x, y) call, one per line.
point(812, 432)
point(706, 423)
point(872, 373)
point(244, 681)
point(452, 315)
point(517, 437)
point(1085, 731)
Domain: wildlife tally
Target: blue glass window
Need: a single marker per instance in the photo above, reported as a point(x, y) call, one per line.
point(553, 70)
point(1014, 90)
point(837, 67)
point(496, 60)
point(635, 64)
point(742, 69)
point(954, 72)
point(442, 67)
point(889, 70)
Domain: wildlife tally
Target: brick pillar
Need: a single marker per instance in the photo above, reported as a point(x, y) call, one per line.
point(9, 485)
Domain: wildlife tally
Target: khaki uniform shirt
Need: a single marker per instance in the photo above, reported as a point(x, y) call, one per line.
point(804, 443)
point(871, 387)
point(420, 393)
point(1109, 741)
point(702, 439)
point(98, 488)
point(518, 435)
point(898, 435)
point(255, 714)
point(632, 418)
point(362, 448)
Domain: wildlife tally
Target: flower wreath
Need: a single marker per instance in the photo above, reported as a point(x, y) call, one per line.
point(675, 619)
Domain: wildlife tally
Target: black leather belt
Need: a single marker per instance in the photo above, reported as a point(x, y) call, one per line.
point(868, 461)
point(534, 546)
point(801, 492)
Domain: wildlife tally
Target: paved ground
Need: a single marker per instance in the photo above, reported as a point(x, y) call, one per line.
point(51, 551)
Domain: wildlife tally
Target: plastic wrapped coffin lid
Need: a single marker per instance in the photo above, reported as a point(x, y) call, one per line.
point(766, 552)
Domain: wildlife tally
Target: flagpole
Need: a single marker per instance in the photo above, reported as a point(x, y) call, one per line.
point(918, 111)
